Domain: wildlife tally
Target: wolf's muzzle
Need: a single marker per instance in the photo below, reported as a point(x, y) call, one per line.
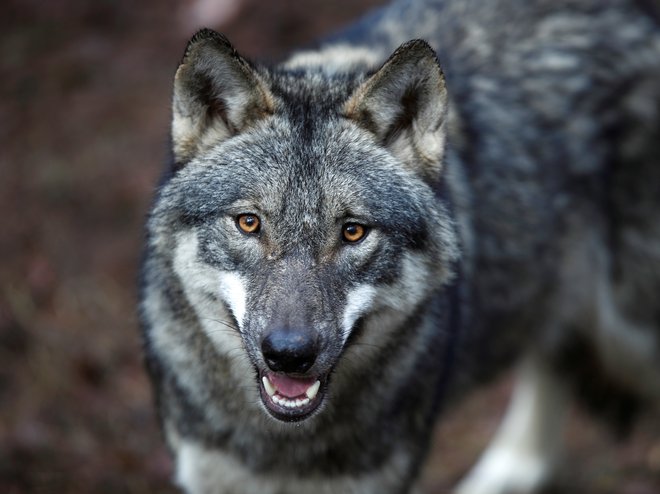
point(289, 388)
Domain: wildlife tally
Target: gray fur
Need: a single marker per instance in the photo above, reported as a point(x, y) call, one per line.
point(542, 170)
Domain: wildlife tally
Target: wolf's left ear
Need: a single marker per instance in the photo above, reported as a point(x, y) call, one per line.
point(404, 104)
point(217, 94)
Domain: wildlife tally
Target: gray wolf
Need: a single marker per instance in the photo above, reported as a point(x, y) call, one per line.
point(349, 239)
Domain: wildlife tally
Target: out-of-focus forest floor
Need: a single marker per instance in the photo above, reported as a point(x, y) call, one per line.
point(84, 109)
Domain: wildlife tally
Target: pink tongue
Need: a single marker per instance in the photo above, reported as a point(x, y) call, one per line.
point(288, 386)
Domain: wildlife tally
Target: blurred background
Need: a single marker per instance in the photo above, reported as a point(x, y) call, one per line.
point(84, 118)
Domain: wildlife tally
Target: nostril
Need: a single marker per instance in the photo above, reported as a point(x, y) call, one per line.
point(289, 351)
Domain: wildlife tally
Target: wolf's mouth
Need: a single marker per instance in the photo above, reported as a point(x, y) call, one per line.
point(291, 398)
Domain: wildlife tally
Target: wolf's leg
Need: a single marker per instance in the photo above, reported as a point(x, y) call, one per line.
point(523, 454)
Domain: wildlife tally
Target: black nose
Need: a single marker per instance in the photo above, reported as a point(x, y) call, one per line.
point(288, 350)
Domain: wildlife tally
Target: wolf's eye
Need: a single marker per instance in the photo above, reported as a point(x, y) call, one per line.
point(248, 223)
point(353, 232)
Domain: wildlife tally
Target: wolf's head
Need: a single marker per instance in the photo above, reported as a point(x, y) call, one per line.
point(302, 220)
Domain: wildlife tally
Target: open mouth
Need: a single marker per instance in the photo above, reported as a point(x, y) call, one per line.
point(291, 398)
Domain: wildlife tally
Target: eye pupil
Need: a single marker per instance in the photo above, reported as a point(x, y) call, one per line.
point(353, 232)
point(248, 223)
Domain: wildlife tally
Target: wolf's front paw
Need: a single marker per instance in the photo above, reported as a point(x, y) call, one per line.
point(506, 472)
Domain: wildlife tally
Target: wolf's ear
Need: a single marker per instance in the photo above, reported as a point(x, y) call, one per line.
point(217, 94)
point(404, 104)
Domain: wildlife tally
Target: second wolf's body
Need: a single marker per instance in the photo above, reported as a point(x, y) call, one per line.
point(362, 234)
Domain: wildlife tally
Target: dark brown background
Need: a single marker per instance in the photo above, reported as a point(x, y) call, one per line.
point(84, 109)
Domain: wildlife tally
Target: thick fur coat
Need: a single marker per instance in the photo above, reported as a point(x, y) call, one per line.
point(347, 239)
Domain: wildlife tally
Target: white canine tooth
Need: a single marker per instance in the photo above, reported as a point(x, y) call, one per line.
point(313, 390)
point(268, 386)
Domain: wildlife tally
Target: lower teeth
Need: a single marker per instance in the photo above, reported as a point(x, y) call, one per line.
point(290, 403)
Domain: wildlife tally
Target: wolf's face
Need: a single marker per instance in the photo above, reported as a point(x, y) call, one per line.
point(303, 210)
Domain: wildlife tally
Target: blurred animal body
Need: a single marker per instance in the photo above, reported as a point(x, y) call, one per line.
point(348, 239)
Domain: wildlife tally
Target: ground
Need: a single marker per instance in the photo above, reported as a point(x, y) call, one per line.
point(84, 109)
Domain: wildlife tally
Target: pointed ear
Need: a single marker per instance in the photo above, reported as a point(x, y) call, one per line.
point(217, 94)
point(404, 104)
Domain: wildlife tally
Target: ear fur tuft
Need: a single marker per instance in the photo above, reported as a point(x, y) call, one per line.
point(404, 104)
point(217, 94)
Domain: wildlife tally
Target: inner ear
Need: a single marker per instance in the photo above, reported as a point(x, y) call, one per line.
point(404, 104)
point(409, 108)
point(217, 94)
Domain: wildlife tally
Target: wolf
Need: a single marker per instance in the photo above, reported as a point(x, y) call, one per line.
point(347, 241)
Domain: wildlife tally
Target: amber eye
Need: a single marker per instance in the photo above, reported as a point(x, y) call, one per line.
point(248, 223)
point(353, 232)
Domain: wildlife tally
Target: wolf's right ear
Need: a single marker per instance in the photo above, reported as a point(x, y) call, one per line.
point(404, 104)
point(217, 94)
